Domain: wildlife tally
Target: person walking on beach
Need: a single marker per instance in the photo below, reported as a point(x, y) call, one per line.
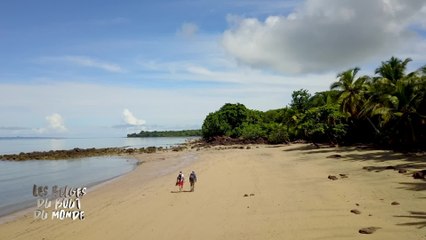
point(179, 181)
point(192, 180)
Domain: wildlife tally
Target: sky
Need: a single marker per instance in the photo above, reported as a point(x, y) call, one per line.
point(107, 68)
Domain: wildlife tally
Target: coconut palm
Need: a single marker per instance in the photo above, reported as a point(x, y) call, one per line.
point(351, 91)
point(397, 100)
point(393, 69)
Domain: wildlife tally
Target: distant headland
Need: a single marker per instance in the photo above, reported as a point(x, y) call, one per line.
point(180, 133)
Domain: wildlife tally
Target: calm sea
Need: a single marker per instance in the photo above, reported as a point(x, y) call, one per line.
point(17, 145)
point(17, 178)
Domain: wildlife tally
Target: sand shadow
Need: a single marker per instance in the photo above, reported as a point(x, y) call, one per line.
point(421, 216)
point(397, 167)
point(362, 153)
point(384, 156)
point(183, 191)
point(414, 186)
point(301, 148)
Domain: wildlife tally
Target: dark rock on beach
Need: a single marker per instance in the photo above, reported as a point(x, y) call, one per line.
point(395, 203)
point(355, 211)
point(368, 230)
point(420, 174)
point(331, 177)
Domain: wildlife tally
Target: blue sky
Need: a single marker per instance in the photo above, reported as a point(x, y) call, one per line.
point(107, 68)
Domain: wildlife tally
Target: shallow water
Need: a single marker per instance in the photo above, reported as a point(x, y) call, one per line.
point(17, 178)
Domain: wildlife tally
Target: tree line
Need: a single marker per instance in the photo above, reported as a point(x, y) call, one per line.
point(181, 133)
point(386, 109)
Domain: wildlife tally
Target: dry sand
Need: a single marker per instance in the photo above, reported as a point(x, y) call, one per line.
point(266, 192)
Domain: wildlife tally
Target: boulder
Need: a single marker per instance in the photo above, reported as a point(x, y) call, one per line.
point(420, 174)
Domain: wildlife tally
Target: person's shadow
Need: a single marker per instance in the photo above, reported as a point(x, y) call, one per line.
point(184, 191)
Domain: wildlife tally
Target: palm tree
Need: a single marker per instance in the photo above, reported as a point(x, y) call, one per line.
point(399, 111)
point(324, 98)
point(396, 99)
point(393, 69)
point(351, 91)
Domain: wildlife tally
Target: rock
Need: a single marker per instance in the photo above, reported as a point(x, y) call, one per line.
point(331, 177)
point(402, 171)
point(390, 167)
point(368, 168)
point(355, 211)
point(246, 195)
point(357, 204)
point(248, 147)
point(335, 156)
point(342, 175)
point(420, 174)
point(251, 194)
point(368, 230)
point(395, 203)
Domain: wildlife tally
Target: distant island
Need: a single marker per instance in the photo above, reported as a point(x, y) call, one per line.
point(181, 133)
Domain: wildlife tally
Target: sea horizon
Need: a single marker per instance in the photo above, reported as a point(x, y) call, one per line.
point(15, 145)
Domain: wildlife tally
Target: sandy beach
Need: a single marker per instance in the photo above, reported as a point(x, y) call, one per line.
point(265, 192)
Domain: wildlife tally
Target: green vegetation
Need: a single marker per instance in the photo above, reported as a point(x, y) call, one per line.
point(388, 109)
point(182, 133)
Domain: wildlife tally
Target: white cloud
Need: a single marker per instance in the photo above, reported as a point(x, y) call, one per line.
point(56, 123)
point(130, 119)
point(89, 62)
point(325, 35)
point(85, 61)
point(188, 30)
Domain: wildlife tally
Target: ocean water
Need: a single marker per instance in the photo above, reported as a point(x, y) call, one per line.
point(17, 145)
point(18, 178)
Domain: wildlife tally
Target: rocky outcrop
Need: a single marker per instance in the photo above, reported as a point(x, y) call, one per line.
point(76, 153)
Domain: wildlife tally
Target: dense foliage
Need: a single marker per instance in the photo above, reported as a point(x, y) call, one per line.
point(183, 133)
point(388, 108)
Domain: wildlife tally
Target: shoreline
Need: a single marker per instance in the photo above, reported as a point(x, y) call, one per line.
point(23, 208)
point(234, 197)
point(139, 158)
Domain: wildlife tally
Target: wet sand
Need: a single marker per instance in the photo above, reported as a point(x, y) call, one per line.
point(266, 192)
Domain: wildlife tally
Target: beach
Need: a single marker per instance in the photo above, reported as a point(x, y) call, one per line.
point(255, 192)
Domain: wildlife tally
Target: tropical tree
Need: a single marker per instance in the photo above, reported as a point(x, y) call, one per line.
point(300, 100)
point(396, 99)
point(322, 98)
point(225, 121)
point(351, 91)
point(324, 124)
point(393, 69)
